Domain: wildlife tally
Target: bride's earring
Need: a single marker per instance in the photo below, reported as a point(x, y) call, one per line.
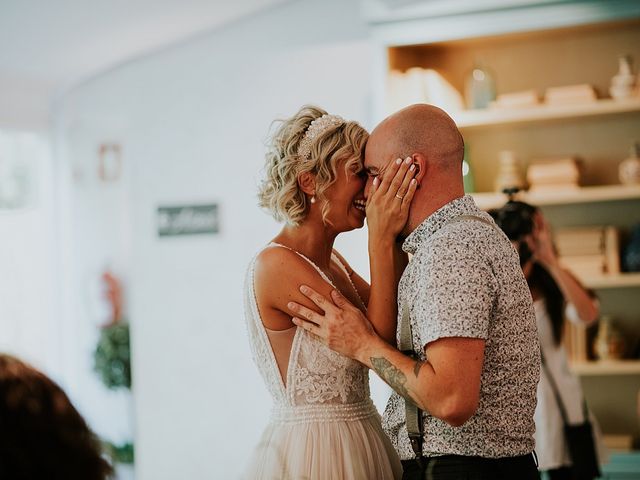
point(313, 199)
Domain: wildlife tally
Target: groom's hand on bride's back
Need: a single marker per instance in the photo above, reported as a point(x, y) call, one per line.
point(341, 326)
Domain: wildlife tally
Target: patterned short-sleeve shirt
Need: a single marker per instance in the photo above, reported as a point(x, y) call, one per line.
point(464, 280)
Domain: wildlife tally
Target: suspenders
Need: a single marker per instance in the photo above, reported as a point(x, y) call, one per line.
point(413, 414)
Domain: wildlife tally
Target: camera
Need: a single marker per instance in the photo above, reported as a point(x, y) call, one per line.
point(515, 218)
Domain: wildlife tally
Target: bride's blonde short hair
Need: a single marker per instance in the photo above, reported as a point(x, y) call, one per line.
point(332, 141)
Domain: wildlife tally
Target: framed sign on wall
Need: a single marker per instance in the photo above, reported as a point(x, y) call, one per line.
point(188, 220)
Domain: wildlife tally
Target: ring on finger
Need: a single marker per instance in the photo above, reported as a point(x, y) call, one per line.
point(398, 196)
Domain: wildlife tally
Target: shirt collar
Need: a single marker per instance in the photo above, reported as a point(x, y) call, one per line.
point(460, 206)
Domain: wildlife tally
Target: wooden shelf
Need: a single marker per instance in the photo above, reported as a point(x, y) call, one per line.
point(612, 281)
point(607, 367)
point(542, 113)
point(602, 193)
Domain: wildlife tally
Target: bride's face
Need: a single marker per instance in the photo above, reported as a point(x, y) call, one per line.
point(345, 198)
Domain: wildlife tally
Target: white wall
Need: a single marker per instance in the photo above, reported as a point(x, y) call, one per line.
point(27, 321)
point(192, 122)
point(94, 222)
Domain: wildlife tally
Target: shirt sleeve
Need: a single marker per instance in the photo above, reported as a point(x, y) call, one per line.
point(458, 294)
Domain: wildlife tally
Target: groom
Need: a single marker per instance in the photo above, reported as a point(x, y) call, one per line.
point(476, 357)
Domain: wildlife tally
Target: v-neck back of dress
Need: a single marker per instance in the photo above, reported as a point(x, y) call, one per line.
point(314, 375)
point(323, 423)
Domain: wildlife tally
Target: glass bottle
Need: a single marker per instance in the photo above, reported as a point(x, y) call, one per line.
point(480, 88)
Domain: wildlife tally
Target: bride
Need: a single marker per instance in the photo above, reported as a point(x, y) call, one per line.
point(323, 424)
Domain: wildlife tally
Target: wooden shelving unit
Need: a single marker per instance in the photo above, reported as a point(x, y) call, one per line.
point(621, 280)
point(602, 193)
point(599, 133)
point(608, 367)
point(543, 113)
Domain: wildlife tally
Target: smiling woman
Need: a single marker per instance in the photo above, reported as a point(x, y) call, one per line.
point(324, 424)
point(312, 142)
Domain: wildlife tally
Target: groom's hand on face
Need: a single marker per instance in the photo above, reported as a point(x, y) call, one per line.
point(341, 326)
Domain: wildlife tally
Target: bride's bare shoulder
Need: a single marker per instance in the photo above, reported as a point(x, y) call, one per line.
point(279, 266)
point(274, 258)
point(278, 274)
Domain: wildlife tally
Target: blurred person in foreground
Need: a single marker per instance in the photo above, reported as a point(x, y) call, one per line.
point(42, 435)
point(557, 295)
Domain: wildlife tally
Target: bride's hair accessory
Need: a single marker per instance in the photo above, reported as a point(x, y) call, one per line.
point(315, 129)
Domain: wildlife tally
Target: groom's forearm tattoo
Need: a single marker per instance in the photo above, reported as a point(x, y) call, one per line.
point(392, 375)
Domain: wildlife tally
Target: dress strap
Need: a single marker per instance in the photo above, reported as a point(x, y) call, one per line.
point(343, 267)
point(318, 269)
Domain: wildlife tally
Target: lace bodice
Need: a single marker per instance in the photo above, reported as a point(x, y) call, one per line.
point(320, 382)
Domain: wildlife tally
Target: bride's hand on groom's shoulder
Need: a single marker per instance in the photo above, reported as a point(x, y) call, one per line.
point(389, 199)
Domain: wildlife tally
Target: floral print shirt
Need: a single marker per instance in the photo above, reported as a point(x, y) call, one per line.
point(464, 280)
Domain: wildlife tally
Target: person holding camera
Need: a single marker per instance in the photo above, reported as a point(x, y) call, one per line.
point(556, 294)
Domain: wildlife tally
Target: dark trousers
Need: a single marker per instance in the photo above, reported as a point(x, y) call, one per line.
point(562, 473)
point(457, 467)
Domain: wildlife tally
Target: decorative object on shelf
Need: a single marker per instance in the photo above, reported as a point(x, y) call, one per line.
point(575, 342)
point(629, 169)
point(439, 92)
point(109, 162)
point(589, 251)
point(480, 87)
point(570, 95)
point(509, 172)
point(404, 88)
point(554, 174)
point(631, 256)
point(467, 172)
point(420, 85)
point(608, 344)
point(612, 250)
point(623, 83)
point(528, 98)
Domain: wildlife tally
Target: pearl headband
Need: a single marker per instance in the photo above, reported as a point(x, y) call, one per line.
point(315, 129)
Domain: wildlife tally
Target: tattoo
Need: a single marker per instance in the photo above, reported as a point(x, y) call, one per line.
point(392, 375)
point(417, 367)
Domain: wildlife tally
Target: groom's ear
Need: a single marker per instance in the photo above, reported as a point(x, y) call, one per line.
point(420, 163)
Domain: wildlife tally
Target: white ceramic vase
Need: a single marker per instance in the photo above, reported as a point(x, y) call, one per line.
point(622, 84)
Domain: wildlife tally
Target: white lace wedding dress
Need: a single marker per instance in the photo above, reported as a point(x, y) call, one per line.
point(323, 425)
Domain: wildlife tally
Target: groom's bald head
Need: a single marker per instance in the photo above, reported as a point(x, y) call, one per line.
point(428, 135)
point(421, 129)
